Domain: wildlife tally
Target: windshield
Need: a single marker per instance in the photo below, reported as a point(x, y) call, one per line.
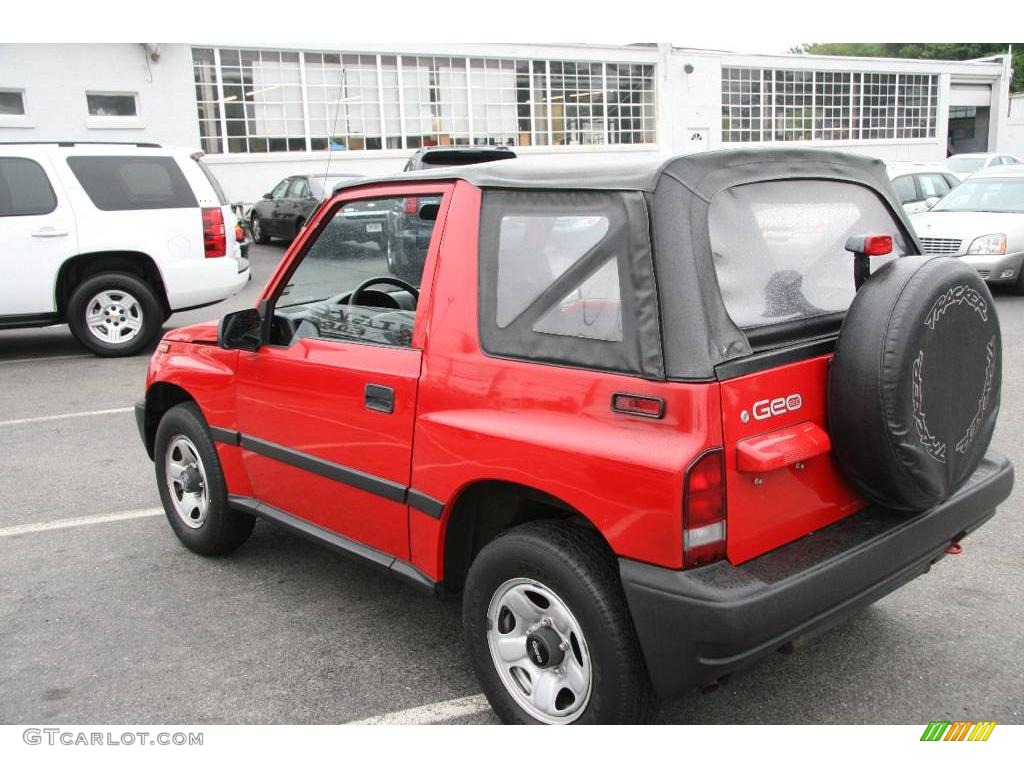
point(988, 195)
point(965, 164)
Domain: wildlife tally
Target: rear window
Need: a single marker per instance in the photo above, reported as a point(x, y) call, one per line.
point(779, 247)
point(132, 183)
point(24, 188)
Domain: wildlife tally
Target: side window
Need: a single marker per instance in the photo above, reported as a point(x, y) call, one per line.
point(380, 238)
point(779, 247)
point(906, 190)
point(566, 277)
point(933, 184)
point(132, 183)
point(298, 188)
point(24, 188)
point(280, 190)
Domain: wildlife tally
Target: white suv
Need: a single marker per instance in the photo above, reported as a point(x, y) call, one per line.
point(111, 239)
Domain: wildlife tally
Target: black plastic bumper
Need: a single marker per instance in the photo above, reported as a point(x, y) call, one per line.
point(696, 626)
point(140, 422)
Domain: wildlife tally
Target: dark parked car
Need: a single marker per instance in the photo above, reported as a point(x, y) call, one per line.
point(283, 210)
point(413, 222)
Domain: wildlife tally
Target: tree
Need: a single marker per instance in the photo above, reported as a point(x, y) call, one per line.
point(948, 51)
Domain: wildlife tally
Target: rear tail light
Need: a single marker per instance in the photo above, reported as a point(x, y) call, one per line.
point(239, 234)
point(215, 241)
point(704, 510)
point(411, 205)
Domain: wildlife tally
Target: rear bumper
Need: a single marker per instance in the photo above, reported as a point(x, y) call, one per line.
point(696, 626)
point(194, 282)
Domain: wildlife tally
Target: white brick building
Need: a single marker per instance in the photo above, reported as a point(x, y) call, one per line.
point(264, 112)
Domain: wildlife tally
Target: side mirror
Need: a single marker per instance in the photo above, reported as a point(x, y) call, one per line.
point(267, 195)
point(429, 211)
point(930, 201)
point(241, 330)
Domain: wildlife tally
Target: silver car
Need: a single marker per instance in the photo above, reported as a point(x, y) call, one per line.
point(981, 221)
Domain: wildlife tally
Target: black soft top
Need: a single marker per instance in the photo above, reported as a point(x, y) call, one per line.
point(641, 173)
point(690, 336)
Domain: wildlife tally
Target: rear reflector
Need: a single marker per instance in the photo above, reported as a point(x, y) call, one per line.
point(638, 405)
point(239, 234)
point(704, 510)
point(215, 241)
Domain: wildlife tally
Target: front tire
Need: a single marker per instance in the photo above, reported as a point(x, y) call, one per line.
point(548, 632)
point(115, 314)
point(192, 487)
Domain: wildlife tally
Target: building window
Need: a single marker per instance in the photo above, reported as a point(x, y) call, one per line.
point(281, 101)
point(806, 105)
point(12, 103)
point(112, 104)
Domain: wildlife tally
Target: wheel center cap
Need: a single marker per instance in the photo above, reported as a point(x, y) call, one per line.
point(543, 648)
point(191, 480)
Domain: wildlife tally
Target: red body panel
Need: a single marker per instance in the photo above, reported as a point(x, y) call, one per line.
point(462, 417)
point(309, 397)
point(768, 509)
point(545, 427)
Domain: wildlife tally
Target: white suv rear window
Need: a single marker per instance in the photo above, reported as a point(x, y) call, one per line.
point(132, 183)
point(779, 247)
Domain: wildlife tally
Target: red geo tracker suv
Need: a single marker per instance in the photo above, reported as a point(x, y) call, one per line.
point(652, 421)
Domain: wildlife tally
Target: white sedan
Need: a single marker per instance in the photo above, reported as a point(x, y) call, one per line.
point(972, 162)
point(982, 221)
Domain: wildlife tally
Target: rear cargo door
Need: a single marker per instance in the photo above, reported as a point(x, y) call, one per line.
point(786, 281)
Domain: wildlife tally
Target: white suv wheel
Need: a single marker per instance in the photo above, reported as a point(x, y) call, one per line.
point(114, 316)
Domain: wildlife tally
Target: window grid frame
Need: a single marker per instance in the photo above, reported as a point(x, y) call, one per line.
point(637, 98)
point(769, 105)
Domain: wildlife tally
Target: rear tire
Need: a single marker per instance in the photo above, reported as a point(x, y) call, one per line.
point(192, 487)
point(115, 314)
point(258, 233)
point(591, 669)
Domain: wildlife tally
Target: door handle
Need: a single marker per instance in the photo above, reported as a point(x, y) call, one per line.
point(50, 232)
point(377, 397)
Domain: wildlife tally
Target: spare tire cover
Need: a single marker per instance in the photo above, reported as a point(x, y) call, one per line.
point(914, 387)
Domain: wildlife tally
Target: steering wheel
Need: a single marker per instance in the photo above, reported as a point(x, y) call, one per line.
point(358, 292)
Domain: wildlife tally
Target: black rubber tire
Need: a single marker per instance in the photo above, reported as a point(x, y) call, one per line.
point(225, 529)
point(153, 314)
point(262, 238)
point(578, 565)
point(914, 387)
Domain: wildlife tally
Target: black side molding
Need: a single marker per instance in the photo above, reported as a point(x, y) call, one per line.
point(425, 504)
point(226, 436)
point(400, 568)
point(376, 485)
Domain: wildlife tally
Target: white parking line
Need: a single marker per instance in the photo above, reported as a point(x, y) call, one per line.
point(79, 414)
point(74, 522)
point(43, 359)
point(440, 712)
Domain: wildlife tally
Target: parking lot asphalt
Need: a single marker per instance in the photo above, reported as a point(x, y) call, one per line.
point(117, 623)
